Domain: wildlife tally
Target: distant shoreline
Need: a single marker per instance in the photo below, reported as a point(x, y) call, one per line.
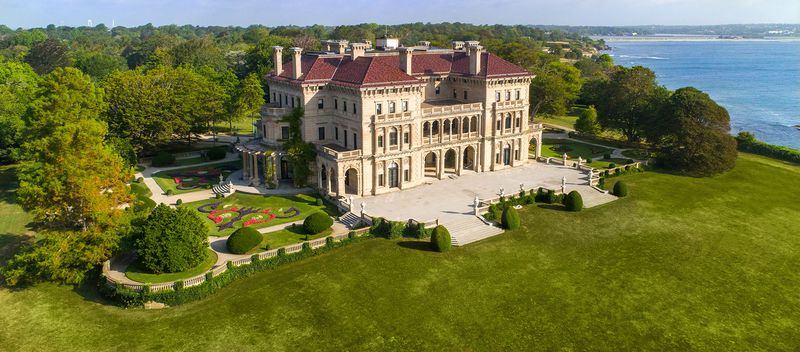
point(688, 38)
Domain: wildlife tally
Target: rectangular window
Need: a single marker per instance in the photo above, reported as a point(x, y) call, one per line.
point(519, 122)
point(455, 94)
point(380, 180)
point(345, 139)
point(284, 132)
point(405, 137)
point(285, 100)
point(273, 97)
point(355, 141)
point(292, 101)
point(497, 158)
point(321, 133)
point(499, 124)
point(336, 133)
point(518, 94)
point(508, 95)
point(380, 141)
point(404, 105)
point(354, 108)
point(497, 96)
point(465, 95)
point(336, 104)
point(345, 106)
point(378, 108)
point(516, 154)
point(437, 90)
point(406, 175)
point(320, 104)
point(391, 107)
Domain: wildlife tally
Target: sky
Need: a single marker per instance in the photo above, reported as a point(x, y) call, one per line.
point(39, 13)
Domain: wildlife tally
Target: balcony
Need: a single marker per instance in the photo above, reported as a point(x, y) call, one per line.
point(391, 118)
point(336, 152)
point(434, 108)
point(273, 110)
point(509, 104)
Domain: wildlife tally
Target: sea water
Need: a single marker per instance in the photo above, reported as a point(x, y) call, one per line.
point(757, 81)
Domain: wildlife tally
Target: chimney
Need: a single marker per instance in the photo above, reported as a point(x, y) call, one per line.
point(405, 59)
point(458, 45)
point(297, 67)
point(470, 43)
point(424, 43)
point(357, 49)
point(277, 59)
point(339, 46)
point(474, 59)
point(326, 45)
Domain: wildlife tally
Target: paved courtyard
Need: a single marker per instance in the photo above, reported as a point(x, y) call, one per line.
point(451, 199)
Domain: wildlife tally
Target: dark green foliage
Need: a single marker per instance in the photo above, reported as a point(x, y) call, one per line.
point(243, 240)
point(551, 197)
point(602, 182)
point(612, 165)
point(130, 298)
point(510, 219)
point(168, 192)
point(396, 229)
point(329, 241)
point(317, 222)
point(440, 239)
point(217, 153)
point(495, 211)
point(307, 247)
point(573, 201)
point(48, 55)
point(319, 202)
point(351, 234)
point(747, 142)
point(606, 156)
point(163, 159)
point(177, 285)
point(620, 189)
point(179, 202)
point(171, 240)
point(589, 161)
point(587, 122)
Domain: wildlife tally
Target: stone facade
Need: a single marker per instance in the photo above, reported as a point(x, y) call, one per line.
point(387, 124)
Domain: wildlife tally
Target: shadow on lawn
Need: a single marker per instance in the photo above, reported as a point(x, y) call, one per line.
point(418, 245)
point(552, 207)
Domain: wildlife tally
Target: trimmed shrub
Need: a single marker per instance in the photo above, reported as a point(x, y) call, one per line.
point(630, 161)
point(602, 182)
point(179, 202)
point(254, 258)
point(243, 240)
point(351, 235)
point(396, 229)
point(319, 202)
point(177, 285)
point(217, 153)
point(621, 189)
point(421, 232)
point(168, 192)
point(317, 222)
point(329, 241)
point(510, 218)
point(541, 196)
point(607, 156)
point(530, 199)
point(140, 180)
point(551, 197)
point(612, 165)
point(281, 252)
point(163, 159)
point(440, 239)
point(573, 201)
point(306, 247)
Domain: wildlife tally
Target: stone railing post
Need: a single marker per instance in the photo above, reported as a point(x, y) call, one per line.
point(476, 202)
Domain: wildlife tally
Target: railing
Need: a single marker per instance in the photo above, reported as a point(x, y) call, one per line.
point(509, 104)
point(535, 126)
point(452, 109)
point(340, 155)
point(273, 110)
point(216, 271)
point(392, 117)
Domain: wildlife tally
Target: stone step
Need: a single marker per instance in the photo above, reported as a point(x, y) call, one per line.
point(350, 220)
point(470, 229)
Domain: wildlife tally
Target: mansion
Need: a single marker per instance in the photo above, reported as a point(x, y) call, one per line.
point(388, 118)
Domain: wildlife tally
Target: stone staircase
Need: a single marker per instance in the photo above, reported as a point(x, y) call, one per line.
point(350, 220)
point(468, 229)
point(223, 188)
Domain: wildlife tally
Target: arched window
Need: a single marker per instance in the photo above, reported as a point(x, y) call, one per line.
point(465, 125)
point(508, 120)
point(393, 180)
point(446, 127)
point(426, 129)
point(473, 124)
point(455, 126)
point(435, 128)
point(393, 136)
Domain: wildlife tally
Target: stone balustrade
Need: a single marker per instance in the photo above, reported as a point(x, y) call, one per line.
point(348, 154)
point(452, 109)
point(509, 104)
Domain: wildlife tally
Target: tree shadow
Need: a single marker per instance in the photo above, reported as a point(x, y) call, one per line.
point(552, 207)
point(418, 245)
point(10, 244)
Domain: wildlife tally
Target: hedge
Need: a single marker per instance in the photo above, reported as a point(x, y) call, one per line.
point(217, 153)
point(573, 201)
point(620, 189)
point(130, 298)
point(317, 222)
point(747, 142)
point(510, 219)
point(440, 239)
point(243, 240)
point(163, 159)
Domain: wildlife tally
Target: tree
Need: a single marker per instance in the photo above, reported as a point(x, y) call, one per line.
point(630, 101)
point(18, 86)
point(198, 52)
point(587, 121)
point(249, 100)
point(99, 65)
point(555, 88)
point(316, 223)
point(48, 55)
point(299, 152)
point(440, 239)
point(171, 240)
point(510, 218)
point(693, 135)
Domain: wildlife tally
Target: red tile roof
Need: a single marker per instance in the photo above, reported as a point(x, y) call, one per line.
point(385, 70)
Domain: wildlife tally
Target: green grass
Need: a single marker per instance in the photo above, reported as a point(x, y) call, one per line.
point(681, 264)
point(303, 202)
point(553, 148)
point(290, 235)
point(139, 273)
point(242, 127)
point(636, 153)
point(15, 223)
point(166, 182)
point(563, 121)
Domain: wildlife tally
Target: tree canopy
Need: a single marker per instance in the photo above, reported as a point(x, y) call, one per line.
point(171, 240)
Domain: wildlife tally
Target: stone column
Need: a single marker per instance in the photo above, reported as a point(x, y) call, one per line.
point(245, 167)
point(591, 175)
point(565, 159)
point(440, 166)
point(255, 170)
point(564, 184)
point(475, 203)
point(459, 161)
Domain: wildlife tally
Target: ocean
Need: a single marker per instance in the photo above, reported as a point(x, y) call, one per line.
point(758, 81)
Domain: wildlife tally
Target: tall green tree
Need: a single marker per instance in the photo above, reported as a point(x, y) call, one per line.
point(48, 55)
point(555, 88)
point(587, 121)
point(692, 135)
point(299, 152)
point(630, 101)
point(171, 240)
point(18, 86)
point(248, 101)
point(98, 65)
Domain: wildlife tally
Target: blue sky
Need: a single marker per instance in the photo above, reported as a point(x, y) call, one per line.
point(37, 13)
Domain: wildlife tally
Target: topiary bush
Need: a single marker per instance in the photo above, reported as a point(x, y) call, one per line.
point(612, 165)
point(217, 153)
point(551, 197)
point(168, 192)
point(243, 240)
point(317, 222)
point(620, 189)
point(163, 159)
point(319, 202)
point(573, 201)
point(179, 202)
point(510, 219)
point(440, 239)
point(396, 229)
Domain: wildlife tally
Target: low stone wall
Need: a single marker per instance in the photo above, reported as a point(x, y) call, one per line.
point(199, 279)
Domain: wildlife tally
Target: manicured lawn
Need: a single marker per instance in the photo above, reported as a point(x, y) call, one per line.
point(563, 121)
point(555, 148)
point(166, 179)
point(138, 273)
point(682, 264)
point(285, 237)
point(278, 205)
point(14, 222)
point(242, 127)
